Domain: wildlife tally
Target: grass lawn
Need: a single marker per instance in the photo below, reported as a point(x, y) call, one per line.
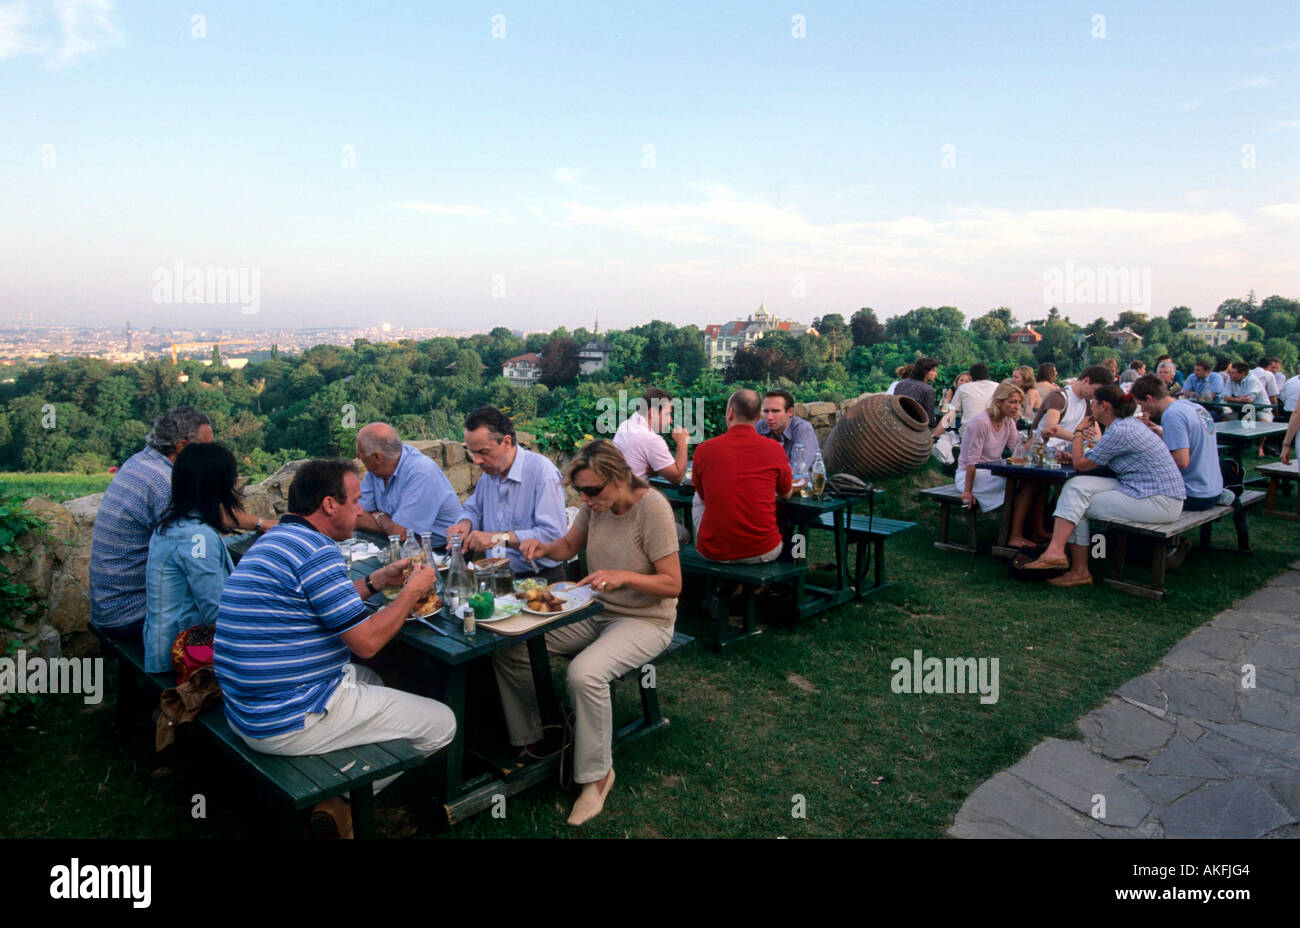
point(58, 487)
point(805, 710)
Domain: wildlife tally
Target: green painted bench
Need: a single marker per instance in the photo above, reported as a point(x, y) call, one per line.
point(874, 531)
point(948, 496)
point(299, 782)
point(749, 577)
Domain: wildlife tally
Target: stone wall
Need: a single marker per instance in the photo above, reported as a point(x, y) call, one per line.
point(57, 563)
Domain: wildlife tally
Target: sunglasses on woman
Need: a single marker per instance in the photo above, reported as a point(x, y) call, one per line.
point(590, 492)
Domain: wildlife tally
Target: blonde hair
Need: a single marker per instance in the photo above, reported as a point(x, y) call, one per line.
point(1000, 395)
point(603, 459)
point(1026, 373)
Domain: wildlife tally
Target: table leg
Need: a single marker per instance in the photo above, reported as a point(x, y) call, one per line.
point(841, 548)
point(1004, 524)
point(547, 704)
point(455, 699)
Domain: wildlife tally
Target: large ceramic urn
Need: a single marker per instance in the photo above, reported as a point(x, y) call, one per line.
point(880, 436)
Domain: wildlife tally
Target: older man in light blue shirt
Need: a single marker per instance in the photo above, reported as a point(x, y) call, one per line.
point(403, 490)
point(519, 495)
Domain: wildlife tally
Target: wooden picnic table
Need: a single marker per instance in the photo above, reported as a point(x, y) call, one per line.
point(451, 654)
point(1221, 404)
point(803, 513)
point(1015, 475)
point(1239, 435)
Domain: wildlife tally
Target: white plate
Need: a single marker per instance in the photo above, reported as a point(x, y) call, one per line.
point(571, 602)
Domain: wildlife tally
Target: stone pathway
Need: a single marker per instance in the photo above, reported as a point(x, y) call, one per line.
point(1189, 750)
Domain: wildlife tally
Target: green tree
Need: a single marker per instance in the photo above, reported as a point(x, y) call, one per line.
point(866, 328)
point(1180, 317)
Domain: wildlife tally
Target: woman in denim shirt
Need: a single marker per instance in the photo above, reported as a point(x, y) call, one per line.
point(188, 562)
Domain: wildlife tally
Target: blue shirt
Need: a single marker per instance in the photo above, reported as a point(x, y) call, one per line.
point(1213, 382)
point(278, 655)
point(528, 501)
point(418, 496)
point(132, 508)
point(1139, 459)
point(187, 569)
point(1187, 425)
point(796, 430)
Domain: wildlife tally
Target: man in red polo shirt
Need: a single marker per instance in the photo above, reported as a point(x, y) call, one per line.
point(738, 477)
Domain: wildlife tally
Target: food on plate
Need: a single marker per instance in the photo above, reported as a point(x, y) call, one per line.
point(522, 587)
point(486, 563)
point(543, 601)
point(428, 604)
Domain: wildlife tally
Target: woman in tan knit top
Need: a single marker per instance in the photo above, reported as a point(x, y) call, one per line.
point(631, 540)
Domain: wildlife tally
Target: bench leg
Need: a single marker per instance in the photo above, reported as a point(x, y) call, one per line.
point(1158, 567)
point(1272, 493)
point(880, 562)
point(944, 506)
point(363, 811)
point(1121, 552)
point(860, 567)
point(1205, 535)
point(973, 527)
point(649, 703)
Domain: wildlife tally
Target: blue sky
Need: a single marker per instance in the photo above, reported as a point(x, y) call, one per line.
point(647, 160)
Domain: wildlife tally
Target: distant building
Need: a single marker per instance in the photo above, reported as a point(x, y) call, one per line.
point(1126, 338)
point(722, 340)
point(1218, 330)
point(1026, 336)
point(594, 356)
point(523, 370)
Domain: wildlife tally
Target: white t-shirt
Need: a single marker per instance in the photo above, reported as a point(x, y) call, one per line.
point(973, 398)
point(645, 450)
point(1290, 393)
point(1266, 380)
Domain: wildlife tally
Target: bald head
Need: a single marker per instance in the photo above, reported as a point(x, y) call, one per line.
point(744, 406)
point(381, 437)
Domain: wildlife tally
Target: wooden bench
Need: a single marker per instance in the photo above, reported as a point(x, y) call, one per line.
point(1162, 533)
point(750, 577)
point(1279, 476)
point(948, 496)
point(299, 782)
point(874, 531)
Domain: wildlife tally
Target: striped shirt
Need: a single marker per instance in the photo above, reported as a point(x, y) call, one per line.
point(1139, 459)
point(277, 652)
point(131, 510)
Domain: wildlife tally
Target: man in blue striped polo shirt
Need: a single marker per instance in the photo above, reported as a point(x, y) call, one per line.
point(288, 622)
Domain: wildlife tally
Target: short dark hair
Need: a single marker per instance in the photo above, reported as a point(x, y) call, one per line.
point(785, 395)
point(979, 372)
point(1241, 367)
point(923, 367)
point(317, 479)
point(203, 483)
point(178, 424)
point(746, 404)
point(1148, 386)
point(1204, 364)
point(1137, 364)
point(1098, 375)
point(655, 393)
point(1123, 403)
point(497, 422)
point(1047, 372)
point(1164, 357)
point(1220, 365)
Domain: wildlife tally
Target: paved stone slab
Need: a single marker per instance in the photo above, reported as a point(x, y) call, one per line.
point(1264, 653)
point(1272, 599)
point(1208, 648)
point(1251, 622)
point(1201, 696)
point(1236, 809)
point(1180, 759)
point(1287, 789)
point(1163, 790)
point(1269, 710)
point(1288, 580)
point(1189, 729)
point(1069, 772)
point(1239, 760)
point(1281, 745)
point(1007, 804)
point(1119, 730)
point(1144, 693)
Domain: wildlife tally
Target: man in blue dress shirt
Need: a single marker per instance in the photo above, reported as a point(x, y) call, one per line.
point(403, 490)
point(519, 495)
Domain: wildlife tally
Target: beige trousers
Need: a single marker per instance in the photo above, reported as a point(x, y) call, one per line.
point(607, 646)
point(363, 711)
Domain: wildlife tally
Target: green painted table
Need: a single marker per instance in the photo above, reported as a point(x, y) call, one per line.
point(1240, 436)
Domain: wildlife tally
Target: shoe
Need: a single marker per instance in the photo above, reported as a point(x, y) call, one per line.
point(331, 819)
point(1047, 563)
point(1067, 580)
point(591, 801)
point(1176, 557)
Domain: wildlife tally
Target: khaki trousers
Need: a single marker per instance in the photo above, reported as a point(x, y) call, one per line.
point(607, 646)
point(362, 711)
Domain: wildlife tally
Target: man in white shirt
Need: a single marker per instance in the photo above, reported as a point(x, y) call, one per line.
point(973, 398)
point(1244, 387)
point(1264, 374)
point(1290, 394)
point(640, 438)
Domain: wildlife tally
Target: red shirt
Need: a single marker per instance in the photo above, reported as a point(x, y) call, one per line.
point(739, 476)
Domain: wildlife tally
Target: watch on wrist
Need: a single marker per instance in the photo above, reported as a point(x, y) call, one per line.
point(370, 586)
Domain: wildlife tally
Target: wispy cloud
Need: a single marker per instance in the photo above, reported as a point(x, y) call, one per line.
point(1249, 83)
point(83, 27)
point(459, 211)
point(1287, 212)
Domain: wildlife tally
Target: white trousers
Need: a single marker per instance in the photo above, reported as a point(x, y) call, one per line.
point(1101, 498)
point(606, 646)
point(363, 711)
